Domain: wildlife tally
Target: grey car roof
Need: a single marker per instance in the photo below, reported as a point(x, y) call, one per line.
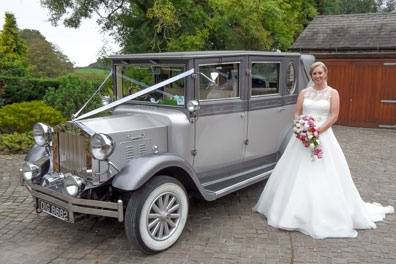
point(199, 54)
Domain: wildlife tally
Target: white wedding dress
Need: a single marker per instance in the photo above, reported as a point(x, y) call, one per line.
point(317, 197)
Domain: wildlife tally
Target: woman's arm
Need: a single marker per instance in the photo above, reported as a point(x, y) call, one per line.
point(334, 111)
point(299, 104)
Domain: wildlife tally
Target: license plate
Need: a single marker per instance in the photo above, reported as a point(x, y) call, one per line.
point(54, 210)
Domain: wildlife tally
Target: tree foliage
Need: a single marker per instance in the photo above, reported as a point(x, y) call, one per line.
point(172, 25)
point(12, 49)
point(71, 95)
point(175, 25)
point(44, 59)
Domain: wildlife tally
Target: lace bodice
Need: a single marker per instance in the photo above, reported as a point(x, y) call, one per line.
point(317, 104)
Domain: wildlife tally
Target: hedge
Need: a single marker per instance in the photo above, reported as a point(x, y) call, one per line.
point(20, 89)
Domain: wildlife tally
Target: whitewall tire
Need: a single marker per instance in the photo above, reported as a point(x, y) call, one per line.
point(156, 214)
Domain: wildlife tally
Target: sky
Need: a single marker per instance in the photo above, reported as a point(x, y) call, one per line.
point(80, 45)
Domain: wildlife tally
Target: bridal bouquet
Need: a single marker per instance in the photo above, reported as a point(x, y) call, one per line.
point(307, 132)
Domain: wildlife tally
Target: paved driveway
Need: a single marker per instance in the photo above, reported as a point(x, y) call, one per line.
point(223, 231)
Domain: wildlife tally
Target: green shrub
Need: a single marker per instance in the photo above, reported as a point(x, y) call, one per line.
point(16, 143)
point(20, 117)
point(96, 76)
point(72, 95)
point(20, 89)
point(168, 101)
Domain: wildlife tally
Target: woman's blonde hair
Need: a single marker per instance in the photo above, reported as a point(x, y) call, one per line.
point(315, 65)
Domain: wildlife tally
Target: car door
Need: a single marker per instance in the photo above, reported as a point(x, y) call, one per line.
point(272, 100)
point(220, 129)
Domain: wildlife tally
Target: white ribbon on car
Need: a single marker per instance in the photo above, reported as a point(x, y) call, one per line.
point(137, 94)
point(95, 93)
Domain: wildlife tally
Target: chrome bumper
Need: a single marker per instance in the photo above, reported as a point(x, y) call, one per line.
point(76, 205)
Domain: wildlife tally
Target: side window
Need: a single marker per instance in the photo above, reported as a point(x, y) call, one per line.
point(265, 78)
point(218, 81)
point(291, 78)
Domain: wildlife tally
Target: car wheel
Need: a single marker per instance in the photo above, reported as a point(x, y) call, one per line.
point(156, 214)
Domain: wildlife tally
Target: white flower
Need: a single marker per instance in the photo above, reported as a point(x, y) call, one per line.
point(312, 146)
point(310, 135)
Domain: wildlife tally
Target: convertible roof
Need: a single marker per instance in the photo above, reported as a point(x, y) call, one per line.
point(199, 54)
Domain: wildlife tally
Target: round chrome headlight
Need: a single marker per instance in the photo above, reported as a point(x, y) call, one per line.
point(73, 184)
point(42, 134)
point(101, 146)
point(30, 171)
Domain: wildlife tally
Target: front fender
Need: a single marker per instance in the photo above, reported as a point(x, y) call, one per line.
point(36, 152)
point(140, 170)
point(39, 156)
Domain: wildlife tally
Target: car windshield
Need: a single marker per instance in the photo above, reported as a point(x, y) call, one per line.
point(131, 78)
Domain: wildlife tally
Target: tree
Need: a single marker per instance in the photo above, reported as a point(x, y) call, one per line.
point(170, 25)
point(44, 59)
point(386, 5)
point(12, 49)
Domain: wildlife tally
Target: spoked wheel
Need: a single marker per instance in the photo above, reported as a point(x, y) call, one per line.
point(156, 214)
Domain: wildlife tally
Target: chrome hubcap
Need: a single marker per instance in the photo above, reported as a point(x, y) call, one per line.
point(163, 217)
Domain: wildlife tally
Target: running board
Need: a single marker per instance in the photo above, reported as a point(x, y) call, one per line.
point(242, 184)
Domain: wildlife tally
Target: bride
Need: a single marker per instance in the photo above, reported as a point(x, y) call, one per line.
point(317, 197)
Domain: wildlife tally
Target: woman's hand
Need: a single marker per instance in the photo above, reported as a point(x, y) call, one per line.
point(299, 105)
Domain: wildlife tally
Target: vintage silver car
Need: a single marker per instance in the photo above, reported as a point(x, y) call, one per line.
point(181, 124)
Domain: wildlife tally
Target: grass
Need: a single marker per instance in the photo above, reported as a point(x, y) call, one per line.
point(92, 74)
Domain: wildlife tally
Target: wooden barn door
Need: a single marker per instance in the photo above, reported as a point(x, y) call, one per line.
point(366, 93)
point(386, 113)
point(367, 89)
point(339, 77)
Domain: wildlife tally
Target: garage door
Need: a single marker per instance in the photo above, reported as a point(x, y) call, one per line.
point(367, 91)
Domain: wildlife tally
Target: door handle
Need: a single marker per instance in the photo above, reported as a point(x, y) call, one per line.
point(388, 101)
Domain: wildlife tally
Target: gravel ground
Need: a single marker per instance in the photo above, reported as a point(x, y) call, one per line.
point(223, 231)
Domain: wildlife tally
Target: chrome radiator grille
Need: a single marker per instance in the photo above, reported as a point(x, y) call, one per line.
point(71, 152)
